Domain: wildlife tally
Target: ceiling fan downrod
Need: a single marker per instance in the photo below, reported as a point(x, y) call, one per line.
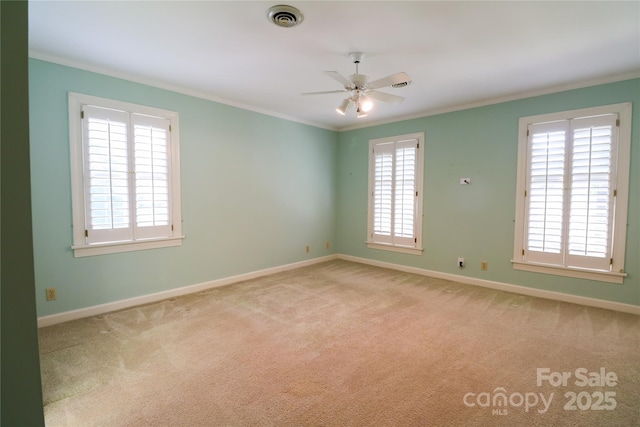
point(356, 58)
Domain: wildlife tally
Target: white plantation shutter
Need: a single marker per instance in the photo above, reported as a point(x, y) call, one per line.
point(570, 192)
point(545, 194)
point(394, 205)
point(592, 188)
point(152, 176)
point(405, 193)
point(127, 176)
point(383, 192)
point(107, 189)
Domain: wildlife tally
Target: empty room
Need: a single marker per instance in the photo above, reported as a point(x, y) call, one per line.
point(333, 213)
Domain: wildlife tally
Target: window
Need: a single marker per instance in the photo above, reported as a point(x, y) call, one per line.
point(395, 193)
point(572, 189)
point(125, 176)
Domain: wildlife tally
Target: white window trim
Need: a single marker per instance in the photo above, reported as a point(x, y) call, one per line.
point(395, 248)
point(80, 247)
point(617, 273)
point(418, 249)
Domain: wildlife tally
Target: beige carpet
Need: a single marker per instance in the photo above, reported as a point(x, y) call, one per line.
point(340, 344)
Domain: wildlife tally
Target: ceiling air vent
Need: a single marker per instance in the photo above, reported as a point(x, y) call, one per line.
point(284, 16)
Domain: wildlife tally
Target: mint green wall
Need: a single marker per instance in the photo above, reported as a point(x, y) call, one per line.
point(255, 191)
point(476, 221)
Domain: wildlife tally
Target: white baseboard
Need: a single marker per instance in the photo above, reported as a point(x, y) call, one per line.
point(159, 296)
point(522, 290)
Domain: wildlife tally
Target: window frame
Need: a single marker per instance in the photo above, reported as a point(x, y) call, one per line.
point(616, 273)
point(372, 243)
point(80, 246)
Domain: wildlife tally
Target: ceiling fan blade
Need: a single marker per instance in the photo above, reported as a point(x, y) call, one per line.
point(389, 80)
point(348, 84)
point(385, 97)
point(325, 92)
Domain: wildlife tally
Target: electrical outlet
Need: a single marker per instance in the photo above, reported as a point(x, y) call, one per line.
point(52, 295)
point(484, 265)
point(307, 248)
point(461, 262)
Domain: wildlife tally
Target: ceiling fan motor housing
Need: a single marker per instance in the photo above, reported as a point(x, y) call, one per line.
point(359, 80)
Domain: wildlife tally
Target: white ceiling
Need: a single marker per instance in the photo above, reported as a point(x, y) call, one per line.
point(458, 54)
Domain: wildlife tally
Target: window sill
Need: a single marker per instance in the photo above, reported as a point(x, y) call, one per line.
point(394, 248)
point(80, 251)
point(578, 273)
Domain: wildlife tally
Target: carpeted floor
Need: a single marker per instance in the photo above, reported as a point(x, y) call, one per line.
point(340, 344)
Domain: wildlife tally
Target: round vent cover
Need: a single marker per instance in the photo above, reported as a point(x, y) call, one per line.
point(285, 16)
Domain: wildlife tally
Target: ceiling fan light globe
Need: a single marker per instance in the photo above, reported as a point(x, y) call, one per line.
point(365, 104)
point(342, 109)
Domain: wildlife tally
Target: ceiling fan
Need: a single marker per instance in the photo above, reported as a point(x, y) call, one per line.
point(361, 91)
